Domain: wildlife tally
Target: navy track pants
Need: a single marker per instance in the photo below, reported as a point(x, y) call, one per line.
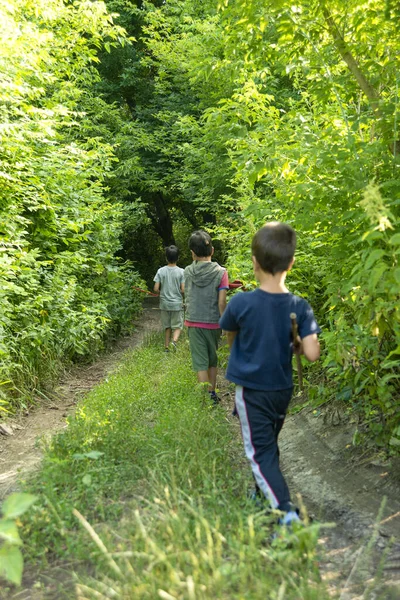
point(261, 415)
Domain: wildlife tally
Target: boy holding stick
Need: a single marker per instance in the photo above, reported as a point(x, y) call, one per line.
point(258, 326)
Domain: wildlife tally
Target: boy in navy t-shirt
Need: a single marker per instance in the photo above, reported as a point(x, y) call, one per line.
point(258, 327)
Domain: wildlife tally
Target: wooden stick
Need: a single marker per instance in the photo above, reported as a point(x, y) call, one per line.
point(296, 344)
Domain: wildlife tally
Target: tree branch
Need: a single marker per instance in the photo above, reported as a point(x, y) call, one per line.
point(351, 62)
point(370, 92)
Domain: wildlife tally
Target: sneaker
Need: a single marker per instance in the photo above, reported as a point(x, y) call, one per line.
point(289, 518)
point(214, 398)
point(166, 349)
point(174, 346)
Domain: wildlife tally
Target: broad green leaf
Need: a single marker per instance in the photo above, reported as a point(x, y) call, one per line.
point(11, 564)
point(395, 239)
point(93, 454)
point(373, 257)
point(9, 532)
point(16, 504)
point(376, 274)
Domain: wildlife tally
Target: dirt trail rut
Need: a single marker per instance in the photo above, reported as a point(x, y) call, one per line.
point(21, 452)
point(338, 487)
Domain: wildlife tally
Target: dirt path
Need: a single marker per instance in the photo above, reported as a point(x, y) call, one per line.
point(317, 459)
point(21, 452)
point(338, 487)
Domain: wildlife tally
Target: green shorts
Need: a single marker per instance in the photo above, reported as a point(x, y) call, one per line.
point(172, 319)
point(203, 347)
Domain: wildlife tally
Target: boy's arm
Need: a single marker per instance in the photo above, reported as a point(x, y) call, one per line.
point(157, 287)
point(310, 347)
point(221, 301)
point(228, 322)
point(182, 288)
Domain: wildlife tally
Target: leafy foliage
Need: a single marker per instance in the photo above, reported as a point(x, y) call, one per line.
point(220, 114)
point(261, 110)
point(62, 288)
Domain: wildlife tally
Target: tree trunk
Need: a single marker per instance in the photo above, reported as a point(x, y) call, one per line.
point(370, 92)
point(161, 218)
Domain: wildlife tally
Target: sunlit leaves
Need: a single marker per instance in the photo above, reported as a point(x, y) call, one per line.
point(59, 294)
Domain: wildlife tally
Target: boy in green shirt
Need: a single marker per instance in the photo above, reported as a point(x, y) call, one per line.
point(169, 282)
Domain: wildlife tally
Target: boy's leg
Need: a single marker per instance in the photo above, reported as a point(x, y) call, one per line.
point(212, 378)
point(261, 416)
point(198, 351)
point(166, 323)
point(213, 337)
point(176, 334)
point(203, 344)
point(176, 324)
point(209, 376)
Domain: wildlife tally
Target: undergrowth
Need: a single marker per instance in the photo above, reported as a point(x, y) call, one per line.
point(160, 503)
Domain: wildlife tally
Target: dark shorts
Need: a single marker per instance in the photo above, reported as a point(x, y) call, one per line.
point(203, 347)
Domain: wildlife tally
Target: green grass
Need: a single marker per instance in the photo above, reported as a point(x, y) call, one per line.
point(154, 470)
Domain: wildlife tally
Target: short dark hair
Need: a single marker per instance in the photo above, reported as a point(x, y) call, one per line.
point(273, 246)
point(172, 253)
point(200, 243)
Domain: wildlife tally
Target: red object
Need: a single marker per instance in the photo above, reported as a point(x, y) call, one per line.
point(234, 285)
point(138, 289)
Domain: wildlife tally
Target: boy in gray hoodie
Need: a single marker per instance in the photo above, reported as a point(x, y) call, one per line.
point(206, 284)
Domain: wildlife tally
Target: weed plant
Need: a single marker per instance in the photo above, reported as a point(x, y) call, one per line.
point(152, 472)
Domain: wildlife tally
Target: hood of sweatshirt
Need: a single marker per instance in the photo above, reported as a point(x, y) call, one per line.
point(203, 272)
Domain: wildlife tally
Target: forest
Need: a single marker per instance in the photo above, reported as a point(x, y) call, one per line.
point(125, 125)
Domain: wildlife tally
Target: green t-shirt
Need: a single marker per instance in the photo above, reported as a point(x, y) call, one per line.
point(170, 280)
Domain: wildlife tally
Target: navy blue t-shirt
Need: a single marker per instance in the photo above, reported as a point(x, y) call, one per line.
point(261, 355)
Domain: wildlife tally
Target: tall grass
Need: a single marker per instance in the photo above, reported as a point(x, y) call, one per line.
point(144, 491)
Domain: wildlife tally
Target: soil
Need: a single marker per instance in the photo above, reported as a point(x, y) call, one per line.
point(358, 493)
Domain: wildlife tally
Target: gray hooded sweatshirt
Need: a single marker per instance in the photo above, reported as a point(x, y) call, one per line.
point(202, 279)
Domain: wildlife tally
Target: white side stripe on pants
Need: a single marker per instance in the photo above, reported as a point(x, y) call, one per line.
point(249, 448)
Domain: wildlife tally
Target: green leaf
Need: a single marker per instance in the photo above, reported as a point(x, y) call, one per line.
point(11, 564)
point(94, 454)
point(87, 479)
point(9, 532)
point(395, 351)
point(373, 257)
point(16, 504)
point(395, 239)
point(376, 274)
